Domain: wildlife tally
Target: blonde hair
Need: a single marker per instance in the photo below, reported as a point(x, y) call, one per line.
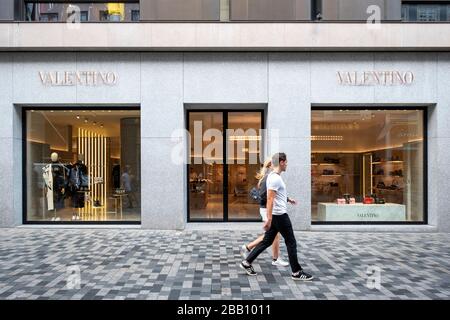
point(264, 170)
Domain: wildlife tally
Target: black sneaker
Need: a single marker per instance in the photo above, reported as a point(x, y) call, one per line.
point(248, 269)
point(302, 276)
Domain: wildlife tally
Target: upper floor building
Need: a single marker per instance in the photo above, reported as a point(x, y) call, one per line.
point(224, 10)
point(224, 25)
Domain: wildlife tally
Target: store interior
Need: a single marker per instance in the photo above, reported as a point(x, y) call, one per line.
point(94, 159)
point(369, 153)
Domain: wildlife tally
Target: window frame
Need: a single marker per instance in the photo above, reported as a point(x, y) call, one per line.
point(225, 113)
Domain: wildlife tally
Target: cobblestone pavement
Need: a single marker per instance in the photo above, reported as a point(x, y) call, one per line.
point(139, 264)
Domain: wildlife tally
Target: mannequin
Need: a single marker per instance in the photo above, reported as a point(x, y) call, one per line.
point(78, 184)
point(55, 178)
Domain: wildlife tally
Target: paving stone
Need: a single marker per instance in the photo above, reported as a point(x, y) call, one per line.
point(143, 264)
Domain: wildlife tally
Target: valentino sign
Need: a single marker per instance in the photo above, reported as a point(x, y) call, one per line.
point(81, 78)
point(375, 78)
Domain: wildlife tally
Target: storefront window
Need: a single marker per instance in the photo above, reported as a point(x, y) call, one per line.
point(367, 165)
point(83, 165)
point(222, 192)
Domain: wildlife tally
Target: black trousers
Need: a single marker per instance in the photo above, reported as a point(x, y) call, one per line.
point(283, 225)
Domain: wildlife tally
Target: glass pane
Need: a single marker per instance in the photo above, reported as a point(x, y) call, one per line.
point(244, 138)
point(83, 165)
point(54, 12)
point(367, 165)
point(180, 10)
point(206, 166)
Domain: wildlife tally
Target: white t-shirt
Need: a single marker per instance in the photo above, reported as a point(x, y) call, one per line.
point(275, 182)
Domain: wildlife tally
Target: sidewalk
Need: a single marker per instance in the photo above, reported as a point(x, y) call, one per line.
point(139, 264)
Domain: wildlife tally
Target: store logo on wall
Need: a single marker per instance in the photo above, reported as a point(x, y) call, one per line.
point(375, 78)
point(81, 78)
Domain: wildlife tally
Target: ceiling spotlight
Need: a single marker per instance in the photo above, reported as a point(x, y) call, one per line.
point(78, 117)
point(101, 126)
point(86, 120)
point(95, 123)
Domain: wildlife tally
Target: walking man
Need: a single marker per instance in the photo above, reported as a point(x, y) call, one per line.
point(277, 221)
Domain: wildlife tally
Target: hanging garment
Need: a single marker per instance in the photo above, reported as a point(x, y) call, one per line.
point(78, 181)
point(48, 179)
point(59, 184)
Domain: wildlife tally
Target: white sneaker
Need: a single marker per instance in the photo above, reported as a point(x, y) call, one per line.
point(244, 252)
point(280, 263)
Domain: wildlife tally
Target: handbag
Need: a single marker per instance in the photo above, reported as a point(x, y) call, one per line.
point(254, 194)
point(368, 200)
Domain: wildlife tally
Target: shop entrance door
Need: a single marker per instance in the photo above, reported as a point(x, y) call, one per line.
point(224, 153)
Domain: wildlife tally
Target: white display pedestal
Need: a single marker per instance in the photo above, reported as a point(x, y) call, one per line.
point(361, 212)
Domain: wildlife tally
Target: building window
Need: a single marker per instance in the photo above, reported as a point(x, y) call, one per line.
point(82, 166)
point(134, 15)
point(426, 12)
point(84, 16)
point(48, 17)
point(368, 166)
point(103, 15)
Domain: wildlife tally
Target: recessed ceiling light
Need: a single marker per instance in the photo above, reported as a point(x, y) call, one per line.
point(95, 123)
point(86, 120)
point(78, 117)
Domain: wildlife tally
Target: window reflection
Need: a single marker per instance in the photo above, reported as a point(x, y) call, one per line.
point(367, 165)
point(92, 12)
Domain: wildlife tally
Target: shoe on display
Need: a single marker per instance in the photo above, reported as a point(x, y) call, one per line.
point(248, 268)
point(244, 251)
point(280, 263)
point(302, 276)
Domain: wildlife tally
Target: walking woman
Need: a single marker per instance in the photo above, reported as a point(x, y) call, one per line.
point(245, 249)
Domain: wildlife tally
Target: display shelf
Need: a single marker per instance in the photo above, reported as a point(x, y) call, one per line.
point(386, 176)
point(386, 162)
point(331, 175)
